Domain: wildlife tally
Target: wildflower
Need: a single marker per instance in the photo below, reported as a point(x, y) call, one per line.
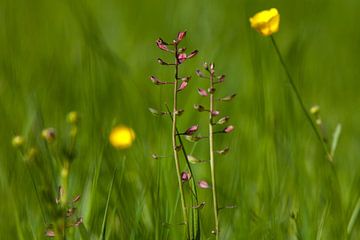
point(121, 137)
point(18, 141)
point(48, 134)
point(204, 184)
point(73, 117)
point(229, 129)
point(185, 176)
point(266, 22)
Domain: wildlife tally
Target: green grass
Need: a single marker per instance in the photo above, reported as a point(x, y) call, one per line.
point(95, 57)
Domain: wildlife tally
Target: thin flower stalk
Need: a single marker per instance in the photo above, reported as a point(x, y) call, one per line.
point(212, 159)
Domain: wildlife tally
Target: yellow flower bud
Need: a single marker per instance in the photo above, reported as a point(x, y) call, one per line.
point(18, 141)
point(73, 117)
point(121, 137)
point(266, 22)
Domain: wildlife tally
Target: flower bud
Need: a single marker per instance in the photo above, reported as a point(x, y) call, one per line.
point(154, 156)
point(204, 184)
point(193, 54)
point(221, 78)
point(193, 159)
point(206, 66)
point(215, 113)
point(200, 73)
point(229, 129)
point(227, 98)
point(181, 36)
point(179, 112)
point(202, 92)
point(72, 117)
point(211, 90)
point(223, 151)
point(182, 86)
point(182, 57)
point(185, 176)
point(161, 62)
point(18, 141)
point(155, 112)
point(162, 45)
point(315, 110)
point(48, 134)
point(199, 108)
point(192, 138)
point(191, 130)
point(223, 120)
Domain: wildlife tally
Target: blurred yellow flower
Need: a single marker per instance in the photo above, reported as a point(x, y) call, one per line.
point(121, 137)
point(18, 141)
point(266, 22)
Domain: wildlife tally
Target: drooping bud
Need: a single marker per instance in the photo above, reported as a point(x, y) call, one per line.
point(156, 112)
point(194, 160)
point(179, 112)
point(199, 108)
point(192, 54)
point(215, 113)
point(223, 120)
point(18, 141)
point(155, 80)
point(162, 62)
point(181, 36)
point(192, 138)
point(162, 45)
point(191, 130)
point(229, 129)
point(200, 73)
point(211, 90)
point(221, 78)
point(223, 151)
point(227, 98)
point(185, 176)
point(202, 92)
point(204, 184)
point(49, 134)
point(182, 86)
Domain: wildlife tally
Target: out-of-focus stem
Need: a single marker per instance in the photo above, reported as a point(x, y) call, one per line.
point(212, 160)
point(301, 102)
point(174, 144)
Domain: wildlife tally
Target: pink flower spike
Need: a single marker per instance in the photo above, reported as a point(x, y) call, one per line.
point(185, 176)
point(192, 130)
point(229, 129)
point(181, 36)
point(182, 86)
point(202, 92)
point(160, 43)
point(182, 57)
point(192, 54)
point(215, 113)
point(204, 184)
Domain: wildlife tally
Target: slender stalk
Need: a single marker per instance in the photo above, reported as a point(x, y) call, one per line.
point(212, 160)
point(174, 144)
point(301, 102)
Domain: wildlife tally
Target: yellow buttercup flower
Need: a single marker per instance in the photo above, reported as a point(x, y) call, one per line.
point(266, 22)
point(122, 137)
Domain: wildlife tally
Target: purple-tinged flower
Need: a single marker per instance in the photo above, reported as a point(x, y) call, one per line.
point(204, 184)
point(185, 176)
point(181, 36)
point(182, 57)
point(215, 113)
point(162, 45)
point(229, 129)
point(192, 130)
point(202, 92)
point(182, 86)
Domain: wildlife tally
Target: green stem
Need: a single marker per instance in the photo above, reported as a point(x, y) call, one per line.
point(174, 144)
point(212, 159)
point(301, 102)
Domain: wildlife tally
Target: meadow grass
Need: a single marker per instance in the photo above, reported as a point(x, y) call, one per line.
point(95, 57)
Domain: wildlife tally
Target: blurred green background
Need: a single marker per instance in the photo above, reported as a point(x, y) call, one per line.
point(95, 57)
